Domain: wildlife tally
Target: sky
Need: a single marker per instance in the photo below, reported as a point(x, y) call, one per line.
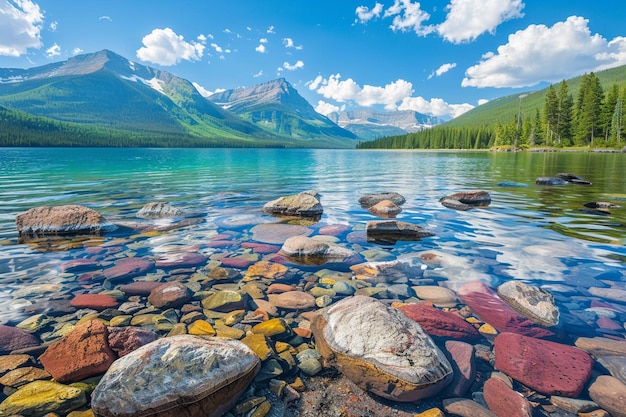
point(440, 58)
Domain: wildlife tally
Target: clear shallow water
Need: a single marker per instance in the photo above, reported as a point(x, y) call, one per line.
point(542, 235)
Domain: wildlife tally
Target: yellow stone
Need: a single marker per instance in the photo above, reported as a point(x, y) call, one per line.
point(258, 344)
point(143, 319)
point(201, 328)
point(248, 404)
point(487, 329)
point(34, 323)
point(283, 347)
point(288, 358)
point(327, 282)
point(432, 412)
point(87, 413)
point(272, 327)
point(298, 384)
point(90, 317)
point(119, 321)
point(178, 329)
point(229, 332)
point(41, 397)
point(265, 269)
point(472, 320)
point(233, 317)
point(262, 409)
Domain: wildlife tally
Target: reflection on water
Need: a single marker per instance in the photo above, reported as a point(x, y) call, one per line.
point(536, 233)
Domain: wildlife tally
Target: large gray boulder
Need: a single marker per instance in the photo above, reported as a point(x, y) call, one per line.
point(304, 204)
point(61, 220)
point(314, 251)
point(381, 349)
point(465, 200)
point(533, 302)
point(177, 376)
point(394, 230)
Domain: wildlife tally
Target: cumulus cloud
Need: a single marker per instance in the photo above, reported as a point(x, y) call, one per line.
point(468, 19)
point(165, 47)
point(270, 29)
point(408, 16)
point(54, 50)
point(204, 92)
point(258, 74)
point(77, 51)
point(20, 27)
point(289, 67)
point(364, 14)
point(260, 49)
point(53, 26)
point(288, 42)
point(442, 70)
point(540, 53)
point(327, 108)
point(396, 95)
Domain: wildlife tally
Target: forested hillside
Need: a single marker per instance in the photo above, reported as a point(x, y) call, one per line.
point(586, 111)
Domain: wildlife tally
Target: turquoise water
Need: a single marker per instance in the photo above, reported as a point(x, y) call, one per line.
point(543, 235)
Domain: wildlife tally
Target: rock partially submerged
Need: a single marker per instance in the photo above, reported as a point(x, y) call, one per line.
point(157, 210)
point(385, 208)
point(304, 204)
point(572, 178)
point(550, 181)
point(313, 251)
point(369, 200)
point(381, 350)
point(177, 376)
point(465, 200)
point(61, 220)
point(394, 230)
point(530, 301)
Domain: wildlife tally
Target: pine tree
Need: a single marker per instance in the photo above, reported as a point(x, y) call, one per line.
point(589, 110)
point(608, 110)
point(551, 115)
point(564, 117)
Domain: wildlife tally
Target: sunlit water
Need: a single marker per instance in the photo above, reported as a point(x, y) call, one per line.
point(542, 235)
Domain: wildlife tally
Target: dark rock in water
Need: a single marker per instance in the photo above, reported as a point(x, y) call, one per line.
point(548, 367)
point(455, 204)
point(504, 401)
point(465, 407)
point(472, 197)
point(381, 350)
point(159, 210)
point(140, 287)
point(511, 184)
point(616, 365)
point(394, 230)
point(82, 353)
point(61, 220)
point(12, 338)
point(304, 204)
point(169, 295)
point(369, 200)
point(600, 205)
point(127, 268)
point(463, 363)
point(572, 178)
point(50, 308)
point(550, 181)
point(177, 376)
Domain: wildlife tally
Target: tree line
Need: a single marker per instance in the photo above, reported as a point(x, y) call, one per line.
point(594, 118)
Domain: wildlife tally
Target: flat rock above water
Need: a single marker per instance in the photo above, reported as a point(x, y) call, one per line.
point(369, 200)
point(61, 220)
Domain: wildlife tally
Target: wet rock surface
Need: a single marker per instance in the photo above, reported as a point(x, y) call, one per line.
point(61, 220)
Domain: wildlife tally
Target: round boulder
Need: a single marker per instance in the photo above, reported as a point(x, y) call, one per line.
point(381, 350)
point(304, 204)
point(385, 208)
point(61, 220)
point(177, 376)
point(369, 200)
point(530, 301)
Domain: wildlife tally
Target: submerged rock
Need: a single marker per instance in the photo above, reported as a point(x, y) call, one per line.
point(305, 204)
point(609, 393)
point(12, 338)
point(394, 230)
point(313, 251)
point(532, 302)
point(40, 398)
point(463, 200)
point(369, 200)
point(177, 376)
point(439, 323)
point(572, 178)
point(158, 210)
point(381, 350)
point(61, 220)
point(550, 181)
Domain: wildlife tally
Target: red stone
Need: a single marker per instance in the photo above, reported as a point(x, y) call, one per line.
point(464, 366)
point(607, 323)
point(334, 229)
point(180, 260)
point(277, 288)
point(79, 265)
point(124, 340)
point(91, 276)
point(548, 367)
point(504, 401)
point(439, 323)
point(169, 295)
point(261, 248)
point(95, 301)
point(490, 308)
point(12, 338)
point(140, 287)
point(127, 268)
point(236, 262)
point(82, 353)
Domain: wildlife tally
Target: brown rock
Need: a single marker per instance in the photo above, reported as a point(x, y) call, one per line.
point(548, 367)
point(124, 340)
point(61, 220)
point(169, 295)
point(292, 300)
point(82, 353)
point(394, 230)
point(369, 200)
point(11, 362)
point(22, 376)
point(127, 268)
point(140, 287)
point(385, 208)
point(609, 393)
point(12, 338)
point(305, 204)
point(466, 408)
point(95, 301)
point(602, 346)
point(473, 197)
point(505, 402)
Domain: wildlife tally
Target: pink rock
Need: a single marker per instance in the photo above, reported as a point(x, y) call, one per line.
point(440, 323)
point(124, 340)
point(12, 338)
point(169, 295)
point(464, 366)
point(277, 288)
point(180, 260)
point(548, 367)
point(219, 243)
point(82, 353)
point(490, 308)
point(127, 268)
point(505, 402)
point(79, 265)
point(140, 287)
point(236, 262)
point(607, 323)
point(95, 301)
point(292, 300)
point(261, 248)
point(334, 229)
point(91, 276)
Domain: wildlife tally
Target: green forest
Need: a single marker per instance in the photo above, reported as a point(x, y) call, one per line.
point(592, 118)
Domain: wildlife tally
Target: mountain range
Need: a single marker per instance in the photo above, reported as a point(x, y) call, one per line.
point(103, 99)
point(370, 124)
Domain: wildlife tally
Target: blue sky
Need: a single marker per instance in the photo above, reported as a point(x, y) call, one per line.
point(437, 57)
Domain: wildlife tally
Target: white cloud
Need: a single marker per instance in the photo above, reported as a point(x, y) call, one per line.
point(435, 106)
point(263, 40)
point(54, 50)
point(540, 53)
point(105, 18)
point(271, 29)
point(364, 14)
point(327, 108)
point(288, 42)
point(258, 74)
point(396, 95)
point(77, 51)
point(204, 92)
point(442, 70)
point(260, 49)
point(53, 26)
point(297, 65)
point(482, 101)
point(468, 19)
point(165, 47)
point(20, 27)
point(217, 48)
point(408, 16)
